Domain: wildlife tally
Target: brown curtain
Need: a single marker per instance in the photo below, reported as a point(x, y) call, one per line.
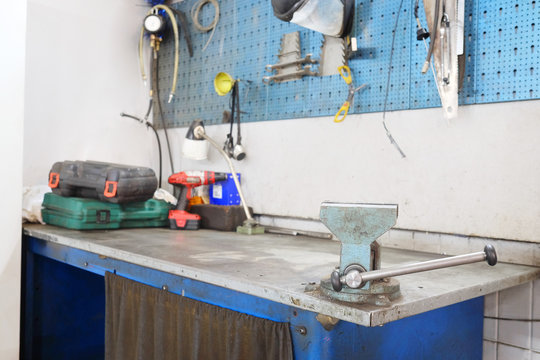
point(142, 322)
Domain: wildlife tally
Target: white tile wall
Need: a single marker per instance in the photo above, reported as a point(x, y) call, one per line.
point(519, 252)
point(491, 305)
point(516, 333)
point(536, 336)
point(490, 351)
point(426, 242)
point(536, 299)
point(505, 352)
point(511, 327)
point(490, 329)
point(516, 302)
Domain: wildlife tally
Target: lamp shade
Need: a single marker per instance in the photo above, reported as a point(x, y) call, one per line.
point(193, 147)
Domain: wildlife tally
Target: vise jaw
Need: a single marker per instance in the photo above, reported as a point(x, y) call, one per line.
point(357, 227)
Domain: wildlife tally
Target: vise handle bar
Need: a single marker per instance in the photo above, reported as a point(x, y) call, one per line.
point(356, 279)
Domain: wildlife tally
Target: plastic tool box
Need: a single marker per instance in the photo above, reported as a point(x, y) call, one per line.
point(113, 183)
point(87, 214)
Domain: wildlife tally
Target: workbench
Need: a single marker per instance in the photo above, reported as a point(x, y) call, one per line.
point(439, 315)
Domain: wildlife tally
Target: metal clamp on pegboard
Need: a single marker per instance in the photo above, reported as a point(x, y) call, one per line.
point(290, 65)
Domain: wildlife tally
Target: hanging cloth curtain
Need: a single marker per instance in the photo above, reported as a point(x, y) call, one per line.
point(143, 322)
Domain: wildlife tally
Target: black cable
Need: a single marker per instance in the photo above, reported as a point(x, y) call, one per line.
point(159, 150)
point(157, 138)
point(238, 136)
point(151, 102)
point(233, 108)
point(390, 137)
point(230, 140)
point(157, 100)
point(434, 33)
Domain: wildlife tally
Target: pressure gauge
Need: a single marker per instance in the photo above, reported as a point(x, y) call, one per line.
point(153, 23)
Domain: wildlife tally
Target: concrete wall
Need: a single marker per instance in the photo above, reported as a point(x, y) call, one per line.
point(477, 175)
point(81, 73)
point(13, 27)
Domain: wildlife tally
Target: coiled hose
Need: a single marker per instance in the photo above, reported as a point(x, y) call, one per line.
point(196, 9)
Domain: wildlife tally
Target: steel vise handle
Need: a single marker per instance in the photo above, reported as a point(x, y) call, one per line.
point(355, 279)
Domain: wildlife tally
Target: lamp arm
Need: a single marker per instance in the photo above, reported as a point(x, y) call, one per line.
point(235, 177)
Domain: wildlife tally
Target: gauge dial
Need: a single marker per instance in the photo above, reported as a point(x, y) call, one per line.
point(153, 23)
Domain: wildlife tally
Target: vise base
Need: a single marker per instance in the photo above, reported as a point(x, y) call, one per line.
point(380, 293)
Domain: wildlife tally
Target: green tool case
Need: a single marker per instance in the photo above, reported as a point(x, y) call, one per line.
point(90, 214)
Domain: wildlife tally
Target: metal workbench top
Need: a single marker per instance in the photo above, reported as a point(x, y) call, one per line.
point(278, 268)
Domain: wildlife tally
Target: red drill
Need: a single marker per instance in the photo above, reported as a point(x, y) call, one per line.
point(180, 219)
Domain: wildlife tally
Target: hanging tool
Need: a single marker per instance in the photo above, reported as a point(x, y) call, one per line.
point(223, 84)
point(305, 60)
point(235, 150)
point(179, 218)
point(345, 73)
point(359, 277)
point(443, 17)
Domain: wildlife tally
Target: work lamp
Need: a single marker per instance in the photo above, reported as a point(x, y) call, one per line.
point(195, 147)
point(330, 17)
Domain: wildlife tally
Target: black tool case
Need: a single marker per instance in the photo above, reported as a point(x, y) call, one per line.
point(108, 182)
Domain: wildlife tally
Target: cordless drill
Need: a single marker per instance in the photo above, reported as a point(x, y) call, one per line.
point(179, 218)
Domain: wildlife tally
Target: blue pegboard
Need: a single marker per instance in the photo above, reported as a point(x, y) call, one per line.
point(501, 45)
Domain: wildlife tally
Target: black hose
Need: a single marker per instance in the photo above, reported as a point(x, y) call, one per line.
point(434, 33)
point(157, 100)
point(151, 102)
point(157, 138)
point(159, 150)
point(239, 135)
point(388, 134)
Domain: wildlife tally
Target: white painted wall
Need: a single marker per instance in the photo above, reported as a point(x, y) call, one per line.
point(82, 72)
point(13, 27)
point(478, 175)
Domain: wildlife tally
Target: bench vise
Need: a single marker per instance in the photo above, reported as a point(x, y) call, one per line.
point(359, 278)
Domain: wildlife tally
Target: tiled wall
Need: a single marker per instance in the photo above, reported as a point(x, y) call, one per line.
point(512, 323)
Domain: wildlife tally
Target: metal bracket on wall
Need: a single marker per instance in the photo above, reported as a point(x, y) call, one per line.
point(443, 19)
point(289, 66)
point(332, 55)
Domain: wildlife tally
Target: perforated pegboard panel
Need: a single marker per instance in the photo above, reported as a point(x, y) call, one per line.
point(501, 44)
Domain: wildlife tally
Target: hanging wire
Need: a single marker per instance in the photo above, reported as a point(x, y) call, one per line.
point(157, 100)
point(390, 137)
point(149, 125)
